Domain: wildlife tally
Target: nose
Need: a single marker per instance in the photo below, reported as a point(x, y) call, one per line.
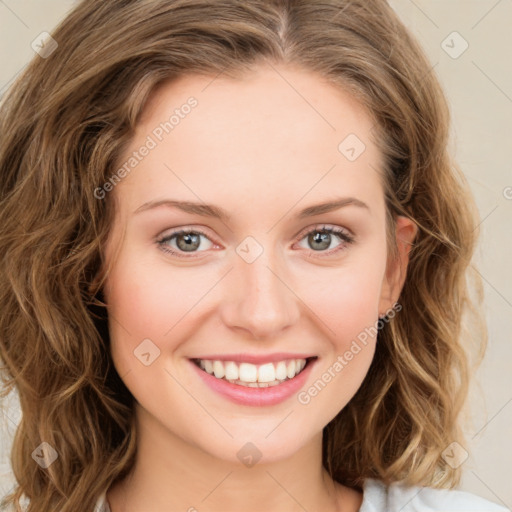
point(258, 299)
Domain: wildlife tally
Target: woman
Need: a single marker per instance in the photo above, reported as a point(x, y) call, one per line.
point(235, 260)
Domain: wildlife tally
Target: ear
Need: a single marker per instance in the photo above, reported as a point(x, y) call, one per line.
point(396, 268)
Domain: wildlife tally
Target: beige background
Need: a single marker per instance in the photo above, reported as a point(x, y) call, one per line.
point(478, 84)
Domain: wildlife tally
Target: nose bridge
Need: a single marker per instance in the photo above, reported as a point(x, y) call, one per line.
point(261, 301)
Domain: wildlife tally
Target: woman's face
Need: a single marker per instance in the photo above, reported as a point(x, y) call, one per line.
point(262, 285)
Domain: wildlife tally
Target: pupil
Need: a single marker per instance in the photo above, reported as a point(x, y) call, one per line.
point(190, 242)
point(322, 238)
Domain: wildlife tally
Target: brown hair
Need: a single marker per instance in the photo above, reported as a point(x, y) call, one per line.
point(64, 125)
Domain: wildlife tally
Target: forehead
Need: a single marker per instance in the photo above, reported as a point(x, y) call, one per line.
point(276, 127)
point(274, 94)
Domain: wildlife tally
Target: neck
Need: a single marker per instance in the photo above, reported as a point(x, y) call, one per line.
point(171, 474)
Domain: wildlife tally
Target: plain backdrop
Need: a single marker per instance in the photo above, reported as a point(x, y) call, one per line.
point(468, 43)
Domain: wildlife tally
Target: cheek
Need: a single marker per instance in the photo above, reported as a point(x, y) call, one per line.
point(136, 301)
point(147, 300)
point(138, 309)
point(348, 309)
point(346, 299)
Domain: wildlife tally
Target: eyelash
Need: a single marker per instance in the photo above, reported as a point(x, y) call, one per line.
point(340, 233)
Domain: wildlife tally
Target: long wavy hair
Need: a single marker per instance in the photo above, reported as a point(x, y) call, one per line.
point(65, 123)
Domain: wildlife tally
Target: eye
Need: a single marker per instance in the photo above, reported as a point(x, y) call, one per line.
point(185, 241)
point(320, 238)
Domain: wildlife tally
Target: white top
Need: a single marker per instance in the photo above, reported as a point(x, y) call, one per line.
point(398, 498)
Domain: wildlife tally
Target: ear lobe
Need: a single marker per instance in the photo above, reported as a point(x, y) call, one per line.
point(396, 269)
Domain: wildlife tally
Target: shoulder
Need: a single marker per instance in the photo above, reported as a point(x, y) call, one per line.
point(377, 497)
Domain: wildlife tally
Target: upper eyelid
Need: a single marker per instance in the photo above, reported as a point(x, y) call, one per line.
point(318, 227)
point(192, 229)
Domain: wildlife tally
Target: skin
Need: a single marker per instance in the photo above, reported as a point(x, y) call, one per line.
point(261, 148)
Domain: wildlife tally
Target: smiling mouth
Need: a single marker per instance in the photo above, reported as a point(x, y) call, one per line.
point(252, 375)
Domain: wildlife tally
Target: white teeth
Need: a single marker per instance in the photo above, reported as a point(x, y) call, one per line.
point(266, 373)
point(208, 366)
point(218, 369)
point(251, 375)
point(231, 371)
point(281, 371)
point(290, 369)
point(248, 372)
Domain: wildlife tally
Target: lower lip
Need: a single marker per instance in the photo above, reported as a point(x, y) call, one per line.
point(262, 397)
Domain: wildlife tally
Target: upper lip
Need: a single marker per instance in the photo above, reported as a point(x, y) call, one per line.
point(255, 359)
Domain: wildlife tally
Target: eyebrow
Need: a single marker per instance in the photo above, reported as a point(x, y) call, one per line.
point(209, 210)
